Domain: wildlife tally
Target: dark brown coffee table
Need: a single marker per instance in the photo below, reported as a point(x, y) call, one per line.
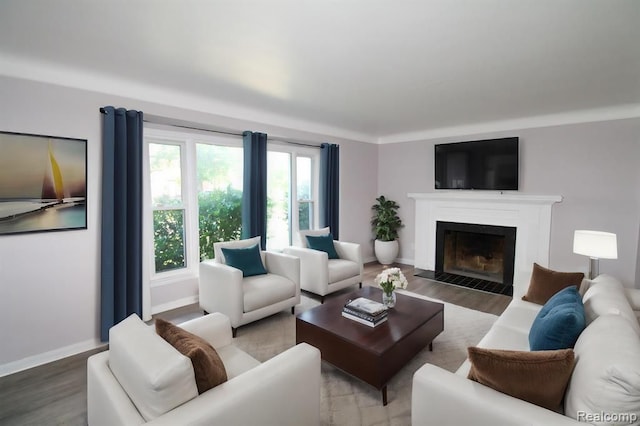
point(374, 355)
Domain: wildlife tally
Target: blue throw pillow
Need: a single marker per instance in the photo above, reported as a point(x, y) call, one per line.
point(559, 323)
point(323, 243)
point(247, 259)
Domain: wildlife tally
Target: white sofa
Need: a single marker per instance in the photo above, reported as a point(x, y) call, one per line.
point(605, 379)
point(142, 379)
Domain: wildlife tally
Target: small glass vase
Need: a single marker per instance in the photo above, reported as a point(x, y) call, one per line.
point(389, 299)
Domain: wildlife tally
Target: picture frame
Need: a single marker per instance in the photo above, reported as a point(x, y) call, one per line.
point(43, 183)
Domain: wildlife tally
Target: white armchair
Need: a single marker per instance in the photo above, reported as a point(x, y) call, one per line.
point(321, 275)
point(142, 379)
point(247, 299)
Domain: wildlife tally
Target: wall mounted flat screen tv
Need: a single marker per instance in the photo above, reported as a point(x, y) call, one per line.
point(490, 164)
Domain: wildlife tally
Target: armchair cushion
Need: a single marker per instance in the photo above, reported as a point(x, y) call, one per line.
point(341, 269)
point(545, 283)
point(265, 290)
point(323, 243)
point(559, 322)
point(207, 366)
point(247, 259)
point(539, 377)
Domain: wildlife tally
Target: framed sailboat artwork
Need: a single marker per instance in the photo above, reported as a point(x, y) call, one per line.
point(43, 183)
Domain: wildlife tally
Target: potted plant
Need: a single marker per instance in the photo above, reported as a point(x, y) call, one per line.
point(385, 224)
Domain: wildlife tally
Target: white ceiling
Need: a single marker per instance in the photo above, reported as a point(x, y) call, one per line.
point(371, 70)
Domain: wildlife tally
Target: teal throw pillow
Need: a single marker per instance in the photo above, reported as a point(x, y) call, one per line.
point(323, 243)
point(247, 259)
point(559, 323)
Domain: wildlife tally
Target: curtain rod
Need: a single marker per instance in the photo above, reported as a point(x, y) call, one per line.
point(181, 126)
point(277, 139)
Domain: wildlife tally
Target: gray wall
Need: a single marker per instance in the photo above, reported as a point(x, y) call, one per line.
point(594, 166)
point(49, 282)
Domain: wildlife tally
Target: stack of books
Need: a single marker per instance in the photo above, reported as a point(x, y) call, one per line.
point(365, 311)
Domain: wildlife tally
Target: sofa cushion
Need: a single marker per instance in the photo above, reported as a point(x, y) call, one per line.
point(302, 235)
point(265, 290)
point(559, 322)
point(500, 337)
point(539, 377)
point(341, 269)
point(519, 315)
point(236, 361)
point(606, 295)
point(323, 243)
point(545, 283)
point(219, 255)
point(207, 366)
point(156, 377)
point(247, 259)
point(606, 378)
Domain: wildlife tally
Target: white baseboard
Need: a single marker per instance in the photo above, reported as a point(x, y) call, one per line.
point(185, 301)
point(398, 260)
point(77, 348)
point(46, 357)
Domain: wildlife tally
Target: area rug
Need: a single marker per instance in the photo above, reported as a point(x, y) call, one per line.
point(344, 399)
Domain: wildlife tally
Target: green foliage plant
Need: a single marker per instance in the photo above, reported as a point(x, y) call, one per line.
point(219, 218)
point(385, 222)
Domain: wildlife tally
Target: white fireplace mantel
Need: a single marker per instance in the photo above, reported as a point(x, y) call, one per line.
point(529, 214)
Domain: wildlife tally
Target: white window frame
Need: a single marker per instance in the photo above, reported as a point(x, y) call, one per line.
point(300, 151)
point(190, 273)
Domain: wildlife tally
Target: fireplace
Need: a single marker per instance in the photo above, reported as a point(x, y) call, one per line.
point(529, 214)
point(476, 256)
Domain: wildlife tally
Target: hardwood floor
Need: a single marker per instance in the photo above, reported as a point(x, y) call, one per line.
point(461, 296)
point(56, 393)
point(50, 394)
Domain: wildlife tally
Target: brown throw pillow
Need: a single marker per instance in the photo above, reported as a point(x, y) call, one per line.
point(207, 365)
point(545, 283)
point(539, 377)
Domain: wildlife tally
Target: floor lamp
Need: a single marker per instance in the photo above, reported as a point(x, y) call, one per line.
point(597, 245)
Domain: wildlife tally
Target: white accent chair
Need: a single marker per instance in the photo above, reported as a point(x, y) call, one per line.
point(247, 299)
point(321, 275)
point(142, 379)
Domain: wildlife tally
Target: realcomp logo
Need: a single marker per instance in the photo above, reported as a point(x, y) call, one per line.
point(619, 418)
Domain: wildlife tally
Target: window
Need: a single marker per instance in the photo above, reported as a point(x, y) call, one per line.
point(278, 199)
point(165, 177)
point(193, 194)
point(220, 178)
point(291, 190)
point(306, 204)
point(193, 198)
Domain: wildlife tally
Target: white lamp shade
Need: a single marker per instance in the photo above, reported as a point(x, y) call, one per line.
point(596, 244)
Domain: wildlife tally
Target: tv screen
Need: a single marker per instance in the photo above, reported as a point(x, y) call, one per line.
point(490, 164)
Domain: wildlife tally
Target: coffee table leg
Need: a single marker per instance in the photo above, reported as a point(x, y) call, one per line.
point(384, 395)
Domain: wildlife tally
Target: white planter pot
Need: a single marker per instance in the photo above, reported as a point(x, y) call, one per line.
point(386, 251)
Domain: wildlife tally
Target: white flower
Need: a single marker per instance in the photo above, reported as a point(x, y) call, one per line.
point(390, 279)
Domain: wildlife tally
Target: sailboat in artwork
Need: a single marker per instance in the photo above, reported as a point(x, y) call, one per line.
point(52, 184)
